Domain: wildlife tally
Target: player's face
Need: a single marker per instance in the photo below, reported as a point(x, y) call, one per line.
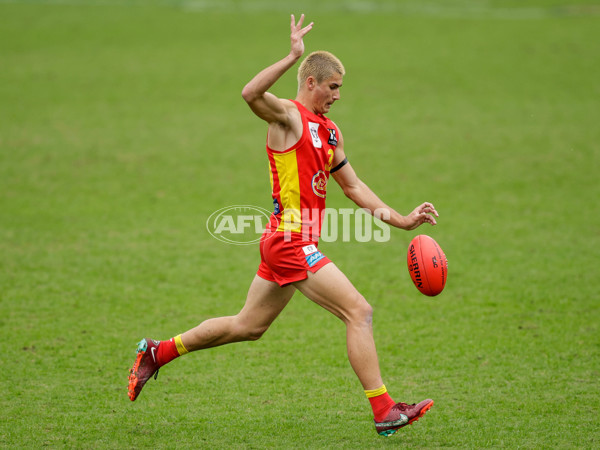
point(326, 93)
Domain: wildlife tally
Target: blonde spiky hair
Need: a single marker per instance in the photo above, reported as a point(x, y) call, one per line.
point(321, 65)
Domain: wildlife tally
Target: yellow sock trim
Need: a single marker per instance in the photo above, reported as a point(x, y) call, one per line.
point(375, 392)
point(180, 347)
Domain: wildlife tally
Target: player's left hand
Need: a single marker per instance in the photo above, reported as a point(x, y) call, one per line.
point(424, 213)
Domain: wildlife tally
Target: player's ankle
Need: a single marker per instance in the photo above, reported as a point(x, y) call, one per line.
point(381, 402)
point(169, 350)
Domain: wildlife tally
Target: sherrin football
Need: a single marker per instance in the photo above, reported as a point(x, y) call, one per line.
point(427, 265)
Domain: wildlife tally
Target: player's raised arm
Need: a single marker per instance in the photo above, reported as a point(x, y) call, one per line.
point(265, 105)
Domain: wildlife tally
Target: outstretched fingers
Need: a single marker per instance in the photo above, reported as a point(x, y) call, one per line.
point(297, 34)
point(297, 28)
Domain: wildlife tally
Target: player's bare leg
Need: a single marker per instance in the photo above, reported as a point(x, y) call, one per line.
point(330, 288)
point(265, 300)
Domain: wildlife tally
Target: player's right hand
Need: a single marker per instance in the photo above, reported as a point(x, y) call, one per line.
point(297, 33)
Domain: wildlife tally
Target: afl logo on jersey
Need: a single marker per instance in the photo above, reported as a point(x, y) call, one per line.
point(319, 184)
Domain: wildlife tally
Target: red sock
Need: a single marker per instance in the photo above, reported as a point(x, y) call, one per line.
point(167, 352)
point(381, 403)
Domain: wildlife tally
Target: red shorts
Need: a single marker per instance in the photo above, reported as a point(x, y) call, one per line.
point(286, 261)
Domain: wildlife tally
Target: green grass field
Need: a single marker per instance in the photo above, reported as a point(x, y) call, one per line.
point(122, 129)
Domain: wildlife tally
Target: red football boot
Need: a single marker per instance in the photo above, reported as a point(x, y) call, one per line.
point(144, 367)
point(401, 415)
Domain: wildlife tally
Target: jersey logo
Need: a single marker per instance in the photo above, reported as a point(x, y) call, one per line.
point(314, 134)
point(319, 184)
point(332, 137)
point(309, 249)
point(314, 258)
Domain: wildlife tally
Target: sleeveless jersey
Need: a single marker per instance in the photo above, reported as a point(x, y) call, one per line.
point(299, 176)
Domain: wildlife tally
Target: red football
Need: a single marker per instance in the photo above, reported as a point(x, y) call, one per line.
point(427, 265)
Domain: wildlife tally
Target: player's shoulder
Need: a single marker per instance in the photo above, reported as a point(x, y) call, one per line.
point(291, 107)
point(289, 115)
point(288, 104)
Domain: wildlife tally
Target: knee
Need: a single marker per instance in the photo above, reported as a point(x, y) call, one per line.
point(361, 312)
point(249, 332)
point(255, 333)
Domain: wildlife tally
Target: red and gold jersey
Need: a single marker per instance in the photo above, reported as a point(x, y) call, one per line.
point(299, 176)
